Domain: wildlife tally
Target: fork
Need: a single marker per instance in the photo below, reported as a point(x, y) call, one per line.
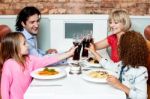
point(45, 85)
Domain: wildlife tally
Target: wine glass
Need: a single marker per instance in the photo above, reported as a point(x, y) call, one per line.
point(76, 40)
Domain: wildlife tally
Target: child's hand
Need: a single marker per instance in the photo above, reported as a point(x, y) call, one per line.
point(93, 51)
point(71, 50)
point(114, 81)
point(67, 54)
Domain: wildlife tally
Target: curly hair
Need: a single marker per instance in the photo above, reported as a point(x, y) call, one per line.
point(133, 49)
point(23, 16)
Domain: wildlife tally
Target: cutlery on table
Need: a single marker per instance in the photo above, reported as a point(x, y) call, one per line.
point(45, 85)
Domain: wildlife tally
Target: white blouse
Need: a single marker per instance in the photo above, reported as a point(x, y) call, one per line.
point(134, 78)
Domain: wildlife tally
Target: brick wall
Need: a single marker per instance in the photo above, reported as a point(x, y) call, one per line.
point(135, 7)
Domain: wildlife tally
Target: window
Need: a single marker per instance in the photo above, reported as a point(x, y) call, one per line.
point(77, 28)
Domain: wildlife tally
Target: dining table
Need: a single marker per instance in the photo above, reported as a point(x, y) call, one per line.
point(71, 86)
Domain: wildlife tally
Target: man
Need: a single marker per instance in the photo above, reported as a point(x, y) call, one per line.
point(27, 22)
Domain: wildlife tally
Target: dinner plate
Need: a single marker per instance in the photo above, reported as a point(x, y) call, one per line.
point(86, 76)
point(61, 73)
point(88, 64)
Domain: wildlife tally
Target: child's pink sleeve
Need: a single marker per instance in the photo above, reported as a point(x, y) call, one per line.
point(43, 61)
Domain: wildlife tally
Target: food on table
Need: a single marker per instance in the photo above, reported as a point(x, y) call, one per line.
point(93, 60)
point(46, 72)
point(98, 74)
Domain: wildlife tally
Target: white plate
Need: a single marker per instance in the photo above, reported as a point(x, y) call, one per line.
point(88, 64)
point(61, 74)
point(86, 76)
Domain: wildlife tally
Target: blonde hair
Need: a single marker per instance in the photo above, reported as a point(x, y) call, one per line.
point(10, 48)
point(121, 16)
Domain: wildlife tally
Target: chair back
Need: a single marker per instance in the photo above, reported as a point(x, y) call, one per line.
point(147, 32)
point(4, 29)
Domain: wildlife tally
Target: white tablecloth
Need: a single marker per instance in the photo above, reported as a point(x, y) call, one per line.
point(71, 87)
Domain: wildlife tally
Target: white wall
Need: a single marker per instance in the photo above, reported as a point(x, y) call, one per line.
point(138, 24)
point(57, 28)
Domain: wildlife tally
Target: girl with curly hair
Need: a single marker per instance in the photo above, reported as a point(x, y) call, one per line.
point(132, 69)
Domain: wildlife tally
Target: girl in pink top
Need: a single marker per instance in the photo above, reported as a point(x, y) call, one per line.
point(118, 23)
point(17, 65)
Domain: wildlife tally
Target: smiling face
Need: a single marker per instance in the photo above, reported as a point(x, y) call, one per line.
point(119, 21)
point(32, 24)
point(23, 46)
point(116, 27)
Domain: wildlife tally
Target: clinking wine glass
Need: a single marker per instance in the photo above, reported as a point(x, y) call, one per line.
point(86, 43)
point(77, 42)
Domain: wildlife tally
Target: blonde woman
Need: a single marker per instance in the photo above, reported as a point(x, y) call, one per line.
point(118, 23)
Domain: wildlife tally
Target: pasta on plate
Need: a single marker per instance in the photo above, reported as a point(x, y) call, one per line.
point(98, 74)
point(47, 71)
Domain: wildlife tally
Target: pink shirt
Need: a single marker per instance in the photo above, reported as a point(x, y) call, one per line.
point(15, 81)
point(113, 41)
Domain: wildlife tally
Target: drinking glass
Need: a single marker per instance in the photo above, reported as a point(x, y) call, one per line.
point(77, 42)
point(75, 68)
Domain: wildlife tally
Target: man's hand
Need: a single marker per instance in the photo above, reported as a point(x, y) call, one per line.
point(51, 51)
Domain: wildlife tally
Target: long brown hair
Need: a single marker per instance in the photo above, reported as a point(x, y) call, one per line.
point(10, 48)
point(133, 49)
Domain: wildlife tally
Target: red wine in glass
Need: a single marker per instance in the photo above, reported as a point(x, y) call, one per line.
point(85, 51)
point(76, 55)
